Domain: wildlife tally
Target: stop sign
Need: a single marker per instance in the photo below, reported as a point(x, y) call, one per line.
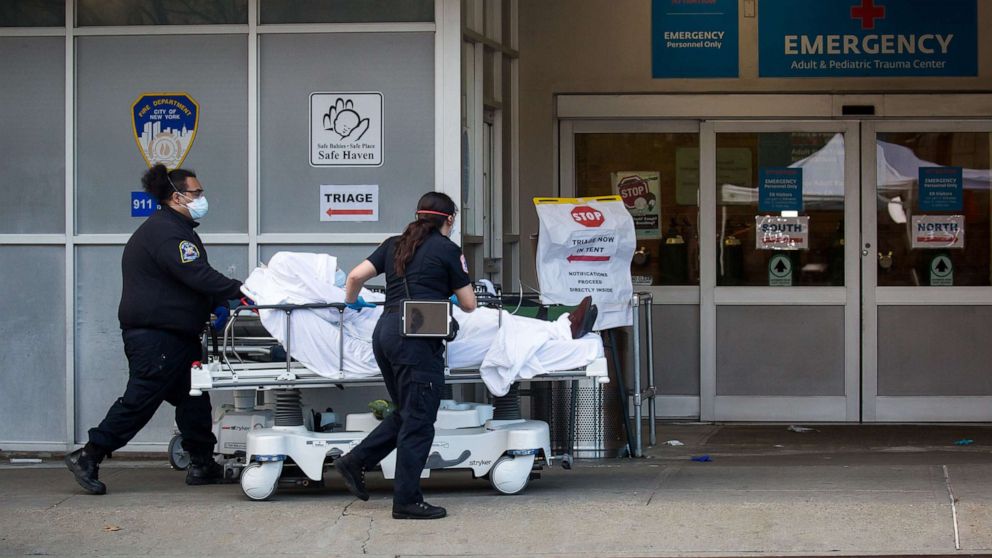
point(587, 216)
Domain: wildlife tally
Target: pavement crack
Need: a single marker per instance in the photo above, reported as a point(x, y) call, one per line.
point(368, 535)
point(662, 477)
point(62, 501)
point(954, 507)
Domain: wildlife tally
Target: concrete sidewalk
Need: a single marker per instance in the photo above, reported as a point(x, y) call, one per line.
point(839, 490)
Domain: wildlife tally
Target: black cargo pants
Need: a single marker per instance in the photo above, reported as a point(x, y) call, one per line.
point(413, 370)
point(158, 369)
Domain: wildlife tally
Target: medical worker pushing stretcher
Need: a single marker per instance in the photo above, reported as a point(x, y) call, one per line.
point(168, 291)
point(425, 262)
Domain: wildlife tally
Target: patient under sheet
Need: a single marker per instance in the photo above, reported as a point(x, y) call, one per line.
point(521, 348)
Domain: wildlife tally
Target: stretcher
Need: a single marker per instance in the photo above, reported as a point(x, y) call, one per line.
point(270, 445)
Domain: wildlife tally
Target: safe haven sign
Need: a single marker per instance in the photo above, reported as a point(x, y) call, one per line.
point(831, 38)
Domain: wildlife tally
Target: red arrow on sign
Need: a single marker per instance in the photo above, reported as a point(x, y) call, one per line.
point(332, 212)
point(588, 259)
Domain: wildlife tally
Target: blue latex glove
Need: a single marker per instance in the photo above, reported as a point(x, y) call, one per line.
point(454, 300)
point(359, 304)
point(223, 313)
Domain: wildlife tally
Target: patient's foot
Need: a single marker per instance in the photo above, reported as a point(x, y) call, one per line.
point(420, 510)
point(583, 318)
point(353, 474)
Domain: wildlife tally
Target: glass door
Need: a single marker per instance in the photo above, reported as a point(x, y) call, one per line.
point(780, 292)
point(926, 271)
point(654, 166)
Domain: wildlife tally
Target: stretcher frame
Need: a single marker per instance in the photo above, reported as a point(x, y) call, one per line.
point(291, 374)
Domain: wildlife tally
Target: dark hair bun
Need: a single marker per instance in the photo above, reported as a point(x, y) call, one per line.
point(156, 182)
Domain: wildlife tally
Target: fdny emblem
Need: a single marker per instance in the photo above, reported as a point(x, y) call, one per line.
point(188, 251)
point(164, 126)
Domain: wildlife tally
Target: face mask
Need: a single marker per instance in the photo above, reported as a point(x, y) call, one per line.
point(198, 208)
point(339, 278)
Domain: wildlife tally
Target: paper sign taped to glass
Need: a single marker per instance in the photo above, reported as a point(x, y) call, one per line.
point(938, 231)
point(781, 233)
point(584, 248)
point(641, 195)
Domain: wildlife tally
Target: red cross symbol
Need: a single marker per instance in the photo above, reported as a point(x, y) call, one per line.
point(867, 12)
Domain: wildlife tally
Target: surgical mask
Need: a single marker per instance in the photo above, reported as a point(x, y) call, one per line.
point(339, 278)
point(198, 208)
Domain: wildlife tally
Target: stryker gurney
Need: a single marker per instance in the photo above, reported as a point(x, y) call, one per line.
point(491, 440)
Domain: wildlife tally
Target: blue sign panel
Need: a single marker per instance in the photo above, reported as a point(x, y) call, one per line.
point(818, 38)
point(780, 189)
point(142, 205)
point(694, 39)
point(164, 126)
point(941, 189)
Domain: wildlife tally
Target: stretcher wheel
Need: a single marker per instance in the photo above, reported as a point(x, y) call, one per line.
point(178, 457)
point(259, 480)
point(509, 475)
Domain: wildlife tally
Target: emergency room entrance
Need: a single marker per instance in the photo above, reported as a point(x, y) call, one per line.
point(799, 268)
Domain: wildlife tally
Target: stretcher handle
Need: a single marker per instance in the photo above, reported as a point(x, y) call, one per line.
point(291, 307)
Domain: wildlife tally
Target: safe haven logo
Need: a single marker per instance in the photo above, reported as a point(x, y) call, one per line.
point(813, 38)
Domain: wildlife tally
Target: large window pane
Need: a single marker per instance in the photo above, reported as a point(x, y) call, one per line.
point(742, 159)
point(32, 167)
point(32, 13)
point(399, 66)
point(658, 175)
point(160, 12)
point(113, 73)
point(345, 11)
point(32, 382)
point(903, 259)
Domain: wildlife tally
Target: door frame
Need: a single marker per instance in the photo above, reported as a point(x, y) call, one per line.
point(907, 408)
point(674, 406)
point(836, 408)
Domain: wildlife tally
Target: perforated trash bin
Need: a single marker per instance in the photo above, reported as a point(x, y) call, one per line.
point(598, 418)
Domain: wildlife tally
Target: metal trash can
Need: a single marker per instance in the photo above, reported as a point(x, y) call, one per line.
point(597, 429)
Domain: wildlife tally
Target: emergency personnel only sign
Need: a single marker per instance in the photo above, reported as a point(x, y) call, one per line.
point(584, 249)
point(781, 233)
point(349, 203)
point(938, 231)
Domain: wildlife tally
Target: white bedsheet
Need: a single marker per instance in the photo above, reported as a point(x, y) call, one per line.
point(522, 348)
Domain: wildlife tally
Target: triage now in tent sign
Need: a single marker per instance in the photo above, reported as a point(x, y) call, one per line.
point(584, 249)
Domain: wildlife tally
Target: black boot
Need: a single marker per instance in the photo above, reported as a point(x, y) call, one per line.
point(203, 469)
point(353, 474)
point(420, 510)
point(84, 464)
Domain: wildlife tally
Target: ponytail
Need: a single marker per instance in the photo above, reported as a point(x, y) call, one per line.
point(433, 211)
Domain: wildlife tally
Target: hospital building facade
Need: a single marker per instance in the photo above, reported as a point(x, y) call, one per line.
point(809, 179)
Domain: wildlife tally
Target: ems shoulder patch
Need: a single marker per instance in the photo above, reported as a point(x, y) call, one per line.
point(188, 251)
point(464, 264)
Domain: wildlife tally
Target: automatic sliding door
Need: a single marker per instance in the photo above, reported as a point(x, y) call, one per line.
point(927, 272)
point(780, 306)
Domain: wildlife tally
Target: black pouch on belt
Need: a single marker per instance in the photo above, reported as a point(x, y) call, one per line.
point(431, 319)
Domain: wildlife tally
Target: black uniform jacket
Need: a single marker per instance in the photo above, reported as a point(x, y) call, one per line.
point(436, 270)
point(168, 281)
